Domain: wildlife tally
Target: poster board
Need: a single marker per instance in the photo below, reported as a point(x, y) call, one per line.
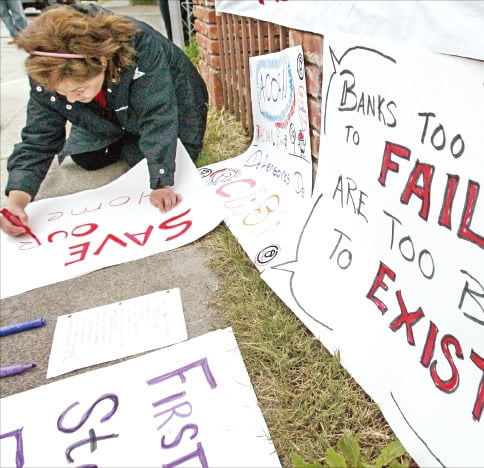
point(388, 269)
point(263, 188)
point(191, 404)
point(451, 27)
point(113, 224)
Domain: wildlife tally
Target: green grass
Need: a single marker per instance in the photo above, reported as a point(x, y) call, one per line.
point(308, 399)
point(191, 49)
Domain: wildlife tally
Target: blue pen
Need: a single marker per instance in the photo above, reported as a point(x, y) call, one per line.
point(15, 369)
point(18, 327)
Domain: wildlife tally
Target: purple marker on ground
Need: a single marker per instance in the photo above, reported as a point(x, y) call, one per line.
point(15, 369)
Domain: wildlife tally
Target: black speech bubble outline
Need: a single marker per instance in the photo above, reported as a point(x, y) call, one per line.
point(278, 267)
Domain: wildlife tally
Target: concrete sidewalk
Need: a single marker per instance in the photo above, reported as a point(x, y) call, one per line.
point(184, 268)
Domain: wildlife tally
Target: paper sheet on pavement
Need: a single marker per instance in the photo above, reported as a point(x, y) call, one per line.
point(117, 330)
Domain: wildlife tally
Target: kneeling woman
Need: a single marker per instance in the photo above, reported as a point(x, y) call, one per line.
point(128, 91)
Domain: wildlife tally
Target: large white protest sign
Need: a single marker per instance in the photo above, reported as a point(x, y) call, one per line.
point(389, 265)
point(106, 226)
point(188, 405)
point(262, 188)
point(452, 27)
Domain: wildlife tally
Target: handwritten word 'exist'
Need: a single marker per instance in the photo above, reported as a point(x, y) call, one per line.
point(449, 344)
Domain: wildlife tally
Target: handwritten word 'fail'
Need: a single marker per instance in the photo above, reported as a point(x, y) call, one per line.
point(450, 346)
point(422, 190)
point(174, 407)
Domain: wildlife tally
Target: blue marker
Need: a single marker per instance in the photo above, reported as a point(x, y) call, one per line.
point(15, 369)
point(18, 327)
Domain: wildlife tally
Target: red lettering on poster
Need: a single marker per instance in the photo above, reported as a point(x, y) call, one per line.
point(479, 404)
point(451, 384)
point(379, 282)
point(86, 210)
point(451, 348)
point(425, 171)
point(168, 225)
point(428, 351)
point(82, 252)
point(143, 195)
point(105, 241)
point(53, 235)
point(450, 189)
point(388, 164)
point(465, 231)
point(90, 228)
point(407, 318)
point(145, 236)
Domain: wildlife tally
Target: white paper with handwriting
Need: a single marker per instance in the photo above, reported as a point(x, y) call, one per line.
point(117, 330)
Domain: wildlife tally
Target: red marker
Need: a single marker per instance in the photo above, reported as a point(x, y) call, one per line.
point(16, 222)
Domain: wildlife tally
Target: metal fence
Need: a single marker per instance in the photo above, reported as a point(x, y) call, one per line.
point(187, 16)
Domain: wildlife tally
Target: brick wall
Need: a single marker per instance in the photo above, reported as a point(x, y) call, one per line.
point(205, 22)
point(205, 25)
point(312, 45)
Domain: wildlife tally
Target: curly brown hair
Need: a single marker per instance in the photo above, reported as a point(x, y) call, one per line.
point(102, 39)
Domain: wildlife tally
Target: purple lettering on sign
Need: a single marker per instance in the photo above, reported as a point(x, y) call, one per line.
point(91, 440)
point(175, 412)
point(203, 363)
point(179, 436)
point(109, 396)
point(19, 453)
point(199, 453)
point(169, 399)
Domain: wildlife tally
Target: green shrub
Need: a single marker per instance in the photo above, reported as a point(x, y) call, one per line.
point(350, 456)
point(191, 49)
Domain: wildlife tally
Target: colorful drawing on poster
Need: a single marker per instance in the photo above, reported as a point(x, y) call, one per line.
point(263, 189)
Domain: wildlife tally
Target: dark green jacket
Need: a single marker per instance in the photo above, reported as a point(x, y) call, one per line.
point(159, 99)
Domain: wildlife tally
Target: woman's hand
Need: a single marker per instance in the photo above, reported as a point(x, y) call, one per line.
point(16, 203)
point(164, 199)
